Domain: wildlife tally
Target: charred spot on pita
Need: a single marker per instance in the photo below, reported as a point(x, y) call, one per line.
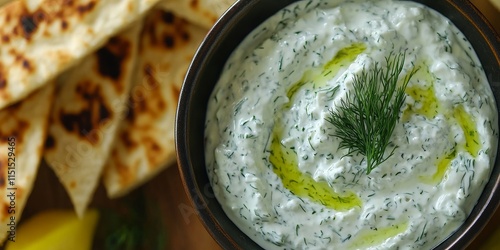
point(28, 25)
point(109, 64)
point(161, 105)
point(111, 58)
point(185, 36)
point(149, 70)
point(8, 17)
point(104, 113)
point(84, 8)
point(76, 122)
point(151, 82)
point(16, 131)
point(152, 152)
point(64, 25)
point(50, 142)
point(141, 106)
point(168, 41)
point(39, 16)
point(154, 146)
point(129, 143)
point(90, 117)
point(175, 91)
point(27, 65)
point(6, 209)
point(68, 3)
point(3, 82)
point(130, 111)
point(22, 126)
point(194, 3)
point(167, 17)
point(150, 29)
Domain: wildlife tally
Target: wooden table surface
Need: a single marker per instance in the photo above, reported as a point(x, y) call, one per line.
point(183, 229)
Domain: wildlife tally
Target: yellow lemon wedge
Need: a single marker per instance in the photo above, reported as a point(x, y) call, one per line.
point(496, 3)
point(56, 230)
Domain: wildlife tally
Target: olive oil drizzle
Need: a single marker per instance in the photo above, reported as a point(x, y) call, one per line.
point(428, 106)
point(373, 237)
point(284, 159)
point(472, 140)
point(320, 77)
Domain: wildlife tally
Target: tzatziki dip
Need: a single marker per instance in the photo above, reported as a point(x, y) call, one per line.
point(282, 175)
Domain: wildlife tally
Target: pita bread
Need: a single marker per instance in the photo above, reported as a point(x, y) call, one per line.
point(26, 121)
point(201, 12)
point(86, 115)
point(145, 144)
point(40, 39)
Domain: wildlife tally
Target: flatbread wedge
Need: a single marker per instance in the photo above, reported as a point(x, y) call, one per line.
point(145, 143)
point(86, 114)
point(22, 135)
point(201, 12)
point(39, 39)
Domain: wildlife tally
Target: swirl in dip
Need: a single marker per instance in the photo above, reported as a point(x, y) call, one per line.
point(275, 166)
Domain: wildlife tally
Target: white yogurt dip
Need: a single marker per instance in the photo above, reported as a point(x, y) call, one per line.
point(277, 170)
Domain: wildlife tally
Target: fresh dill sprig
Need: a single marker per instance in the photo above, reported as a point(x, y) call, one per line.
point(133, 222)
point(366, 118)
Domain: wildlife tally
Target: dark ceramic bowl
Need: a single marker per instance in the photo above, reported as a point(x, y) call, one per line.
point(204, 72)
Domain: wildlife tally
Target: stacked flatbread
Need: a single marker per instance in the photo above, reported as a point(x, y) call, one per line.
point(92, 87)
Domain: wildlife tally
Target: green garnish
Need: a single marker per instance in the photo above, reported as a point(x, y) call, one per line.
point(365, 119)
point(135, 223)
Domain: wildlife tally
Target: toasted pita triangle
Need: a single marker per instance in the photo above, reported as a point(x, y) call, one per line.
point(24, 126)
point(40, 39)
point(145, 143)
point(88, 108)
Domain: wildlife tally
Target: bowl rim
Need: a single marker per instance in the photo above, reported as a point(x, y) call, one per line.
point(464, 235)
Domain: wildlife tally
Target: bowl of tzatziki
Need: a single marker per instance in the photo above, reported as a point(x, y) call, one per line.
point(343, 124)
